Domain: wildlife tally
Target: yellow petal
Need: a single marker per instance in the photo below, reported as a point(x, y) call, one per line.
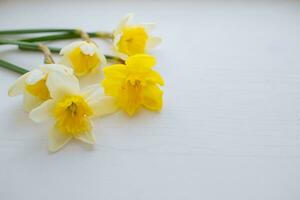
point(60, 85)
point(57, 140)
point(112, 86)
point(42, 112)
point(18, 87)
point(131, 109)
point(141, 61)
point(30, 102)
point(155, 77)
point(87, 137)
point(115, 71)
point(152, 97)
point(132, 41)
point(82, 63)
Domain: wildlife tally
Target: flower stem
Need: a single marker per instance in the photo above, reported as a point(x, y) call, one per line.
point(36, 47)
point(28, 45)
point(26, 31)
point(84, 36)
point(48, 59)
point(12, 67)
point(63, 36)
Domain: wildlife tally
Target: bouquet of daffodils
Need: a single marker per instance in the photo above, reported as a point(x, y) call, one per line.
point(52, 91)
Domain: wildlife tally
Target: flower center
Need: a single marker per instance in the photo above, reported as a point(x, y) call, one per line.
point(72, 114)
point(133, 41)
point(131, 93)
point(83, 63)
point(39, 89)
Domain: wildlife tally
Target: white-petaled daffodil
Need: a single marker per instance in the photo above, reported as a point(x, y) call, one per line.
point(33, 85)
point(72, 110)
point(83, 56)
point(131, 39)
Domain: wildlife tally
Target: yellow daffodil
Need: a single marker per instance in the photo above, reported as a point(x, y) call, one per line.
point(72, 110)
point(83, 56)
point(33, 85)
point(131, 39)
point(134, 84)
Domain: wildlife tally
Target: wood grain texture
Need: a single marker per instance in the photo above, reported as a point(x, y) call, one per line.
point(230, 126)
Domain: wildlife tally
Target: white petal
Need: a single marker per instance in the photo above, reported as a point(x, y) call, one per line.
point(100, 103)
point(87, 137)
point(67, 49)
point(57, 140)
point(48, 68)
point(42, 112)
point(153, 42)
point(103, 106)
point(90, 90)
point(60, 85)
point(117, 38)
point(30, 102)
point(101, 56)
point(64, 60)
point(148, 26)
point(126, 20)
point(34, 76)
point(18, 87)
point(88, 48)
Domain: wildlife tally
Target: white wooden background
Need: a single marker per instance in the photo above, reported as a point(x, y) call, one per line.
point(230, 126)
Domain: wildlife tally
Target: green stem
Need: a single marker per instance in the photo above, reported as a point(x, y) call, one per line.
point(27, 45)
point(26, 31)
point(35, 47)
point(63, 36)
point(12, 67)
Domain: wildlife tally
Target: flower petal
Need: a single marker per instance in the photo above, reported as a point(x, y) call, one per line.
point(103, 106)
point(155, 77)
point(141, 60)
point(126, 20)
point(87, 137)
point(57, 140)
point(30, 102)
point(60, 85)
point(67, 49)
point(131, 108)
point(148, 26)
point(18, 87)
point(115, 71)
point(100, 103)
point(35, 76)
point(48, 68)
point(100, 55)
point(89, 91)
point(152, 42)
point(152, 97)
point(112, 86)
point(42, 112)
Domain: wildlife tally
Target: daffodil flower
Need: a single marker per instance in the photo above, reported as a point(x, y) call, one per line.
point(33, 85)
point(83, 56)
point(131, 39)
point(72, 110)
point(134, 84)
